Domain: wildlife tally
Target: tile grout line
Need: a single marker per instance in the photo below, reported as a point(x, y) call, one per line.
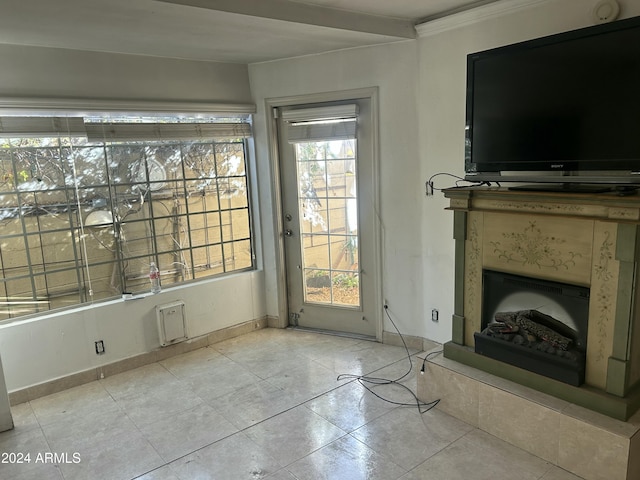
point(46, 439)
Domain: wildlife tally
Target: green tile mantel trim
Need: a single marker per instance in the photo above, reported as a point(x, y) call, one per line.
point(626, 254)
point(458, 329)
point(617, 374)
point(460, 236)
point(584, 396)
point(460, 226)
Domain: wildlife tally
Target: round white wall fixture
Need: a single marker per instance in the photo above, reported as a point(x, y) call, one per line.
point(99, 219)
point(157, 175)
point(606, 11)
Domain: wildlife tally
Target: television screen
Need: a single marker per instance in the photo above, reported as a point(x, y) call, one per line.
point(569, 102)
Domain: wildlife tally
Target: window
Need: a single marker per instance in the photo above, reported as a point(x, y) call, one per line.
point(87, 204)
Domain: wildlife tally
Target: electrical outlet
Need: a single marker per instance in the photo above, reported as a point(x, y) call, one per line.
point(435, 315)
point(429, 188)
point(99, 347)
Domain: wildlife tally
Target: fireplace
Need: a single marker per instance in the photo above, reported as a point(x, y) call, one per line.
point(571, 261)
point(566, 265)
point(535, 324)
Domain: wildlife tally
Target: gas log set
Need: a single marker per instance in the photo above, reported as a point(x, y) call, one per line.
point(534, 341)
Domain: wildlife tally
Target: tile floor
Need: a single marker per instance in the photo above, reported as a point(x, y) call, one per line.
point(264, 405)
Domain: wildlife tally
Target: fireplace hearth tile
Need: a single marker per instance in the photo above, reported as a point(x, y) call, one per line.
point(588, 444)
point(634, 458)
point(455, 386)
point(535, 396)
point(626, 429)
point(520, 422)
point(592, 452)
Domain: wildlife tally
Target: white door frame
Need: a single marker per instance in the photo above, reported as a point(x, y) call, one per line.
point(371, 94)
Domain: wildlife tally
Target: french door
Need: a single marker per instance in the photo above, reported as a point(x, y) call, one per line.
point(326, 164)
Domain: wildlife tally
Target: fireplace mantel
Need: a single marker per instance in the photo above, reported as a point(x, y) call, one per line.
point(590, 240)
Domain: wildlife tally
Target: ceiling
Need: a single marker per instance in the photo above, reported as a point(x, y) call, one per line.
point(238, 31)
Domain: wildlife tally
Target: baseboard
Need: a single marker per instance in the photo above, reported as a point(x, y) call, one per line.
point(419, 344)
point(161, 353)
point(274, 322)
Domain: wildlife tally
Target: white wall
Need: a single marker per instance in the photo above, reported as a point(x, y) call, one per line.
point(41, 72)
point(442, 80)
point(392, 68)
point(56, 345)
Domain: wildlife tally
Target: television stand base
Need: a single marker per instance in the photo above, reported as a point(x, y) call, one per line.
point(570, 187)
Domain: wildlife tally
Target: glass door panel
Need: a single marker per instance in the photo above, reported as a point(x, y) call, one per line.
point(327, 199)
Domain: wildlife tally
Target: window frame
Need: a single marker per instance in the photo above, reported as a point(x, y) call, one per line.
point(79, 259)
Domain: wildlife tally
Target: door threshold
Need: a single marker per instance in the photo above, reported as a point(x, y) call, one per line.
point(334, 333)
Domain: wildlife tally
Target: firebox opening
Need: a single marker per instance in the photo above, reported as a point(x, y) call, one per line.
point(538, 325)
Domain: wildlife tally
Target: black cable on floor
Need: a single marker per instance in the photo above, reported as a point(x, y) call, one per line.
point(364, 380)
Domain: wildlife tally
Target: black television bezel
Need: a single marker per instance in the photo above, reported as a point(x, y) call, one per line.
point(615, 171)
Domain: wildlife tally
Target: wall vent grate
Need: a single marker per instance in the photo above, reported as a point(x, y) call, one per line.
point(172, 323)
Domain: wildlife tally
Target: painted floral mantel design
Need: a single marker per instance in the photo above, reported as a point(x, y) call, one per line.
point(533, 247)
point(604, 273)
point(473, 281)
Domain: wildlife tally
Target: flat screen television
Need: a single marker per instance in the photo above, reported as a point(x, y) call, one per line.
point(562, 109)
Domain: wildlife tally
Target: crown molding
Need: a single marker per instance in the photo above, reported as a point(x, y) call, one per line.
point(468, 17)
